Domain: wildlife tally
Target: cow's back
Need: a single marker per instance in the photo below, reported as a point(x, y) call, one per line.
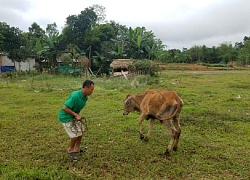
point(154, 100)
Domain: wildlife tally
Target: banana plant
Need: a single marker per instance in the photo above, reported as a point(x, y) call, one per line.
point(51, 48)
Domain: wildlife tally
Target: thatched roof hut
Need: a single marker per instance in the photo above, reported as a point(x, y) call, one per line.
point(120, 64)
point(120, 67)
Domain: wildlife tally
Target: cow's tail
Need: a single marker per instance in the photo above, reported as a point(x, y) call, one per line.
point(175, 112)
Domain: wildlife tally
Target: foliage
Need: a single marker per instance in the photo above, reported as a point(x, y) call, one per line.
point(34, 34)
point(91, 32)
point(142, 43)
point(98, 37)
point(101, 64)
point(77, 25)
point(244, 54)
point(10, 37)
point(146, 66)
point(100, 12)
point(226, 52)
point(51, 48)
point(119, 42)
point(13, 43)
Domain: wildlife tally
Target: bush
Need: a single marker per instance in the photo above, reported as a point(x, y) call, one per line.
point(146, 66)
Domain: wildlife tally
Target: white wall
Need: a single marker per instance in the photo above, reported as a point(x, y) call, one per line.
point(22, 66)
point(6, 61)
point(26, 66)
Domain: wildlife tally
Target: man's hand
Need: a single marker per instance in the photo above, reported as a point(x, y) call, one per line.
point(69, 111)
point(78, 117)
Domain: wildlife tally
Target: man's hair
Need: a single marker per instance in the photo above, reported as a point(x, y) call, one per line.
point(87, 83)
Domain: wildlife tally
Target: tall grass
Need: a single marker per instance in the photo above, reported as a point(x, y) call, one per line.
point(214, 143)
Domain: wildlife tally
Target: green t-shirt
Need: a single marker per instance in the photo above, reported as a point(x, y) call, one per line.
point(76, 102)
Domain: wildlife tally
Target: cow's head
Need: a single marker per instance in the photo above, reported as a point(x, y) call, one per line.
point(128, 105)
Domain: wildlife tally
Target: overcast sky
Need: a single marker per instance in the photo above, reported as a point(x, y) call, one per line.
point(178, 23)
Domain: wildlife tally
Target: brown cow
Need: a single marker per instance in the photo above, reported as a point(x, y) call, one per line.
point(162, 105)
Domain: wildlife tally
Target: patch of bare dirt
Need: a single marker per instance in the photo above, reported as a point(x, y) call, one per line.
point(180, 66)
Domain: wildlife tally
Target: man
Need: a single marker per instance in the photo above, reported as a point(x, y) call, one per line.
point(70, 118)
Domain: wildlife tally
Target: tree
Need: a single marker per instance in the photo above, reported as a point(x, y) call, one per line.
point(213, 55)
point(119, 43)
point(246, 39)
point(35, 33)
point(52, 29)
point(226, 52)
point(51, 46)
point(19, 55)
point(195, 53)
point(153, 49)
point(13, 43)
point(102, 63)
point(238, 45)
point(163, 56)
point(38, 53)
point(10, 38)
point(204, 54)
point(135, 41)
point(98, 36)
point(100, 12)
point(174, 53)
point(76, 27)
point(5, 34)
point(244, 54)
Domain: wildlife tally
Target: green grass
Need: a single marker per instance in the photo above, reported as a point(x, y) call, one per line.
point(214, 143)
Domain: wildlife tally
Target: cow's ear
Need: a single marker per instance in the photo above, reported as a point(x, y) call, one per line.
point(127, 102)
point(128, 96)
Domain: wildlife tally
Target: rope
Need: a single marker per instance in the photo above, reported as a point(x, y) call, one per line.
point(75, 123)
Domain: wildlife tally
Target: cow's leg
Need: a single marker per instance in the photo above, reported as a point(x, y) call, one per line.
point(173, 133)
point(176, 121)
point(142, 117)
point(162, 110)
point(166, 110)
point(151, 124)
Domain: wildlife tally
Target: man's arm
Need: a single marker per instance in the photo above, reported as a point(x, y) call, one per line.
point(69, 111)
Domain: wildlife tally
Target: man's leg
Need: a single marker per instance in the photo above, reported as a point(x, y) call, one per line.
point(72, 144)
point(77, 144)
point(71, 151)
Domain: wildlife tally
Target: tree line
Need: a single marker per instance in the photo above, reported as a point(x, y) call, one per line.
point(88, 34)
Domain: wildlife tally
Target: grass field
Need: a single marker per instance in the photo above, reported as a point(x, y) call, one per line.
point(215, 121)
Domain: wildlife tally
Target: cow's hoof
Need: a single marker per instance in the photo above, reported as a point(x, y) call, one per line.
point(141, 136)
point(167, 154)
point(174, 148)
point(145, 139)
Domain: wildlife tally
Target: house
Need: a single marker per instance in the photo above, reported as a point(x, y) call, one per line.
point(7, 65)
point(120, 66)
